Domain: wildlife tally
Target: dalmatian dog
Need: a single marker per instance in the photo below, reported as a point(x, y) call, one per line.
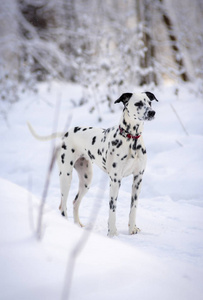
point(119, 151)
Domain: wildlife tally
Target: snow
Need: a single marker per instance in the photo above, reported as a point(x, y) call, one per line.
point(164, 261)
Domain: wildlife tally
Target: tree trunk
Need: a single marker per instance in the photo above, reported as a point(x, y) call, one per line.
point(176, 52)
point(9, 39)
point(146, 47)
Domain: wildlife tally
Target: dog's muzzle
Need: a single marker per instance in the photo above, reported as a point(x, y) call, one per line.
point(150, 115)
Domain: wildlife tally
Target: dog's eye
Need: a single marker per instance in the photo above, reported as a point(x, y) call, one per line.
point(139, 104)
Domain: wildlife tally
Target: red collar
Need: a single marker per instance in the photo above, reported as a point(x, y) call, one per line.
point(128, 135)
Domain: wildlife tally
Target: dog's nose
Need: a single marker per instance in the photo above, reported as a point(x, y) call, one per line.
point(151, 113)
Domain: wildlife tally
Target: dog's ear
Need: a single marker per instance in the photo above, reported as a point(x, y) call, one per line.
point(124, 98)
point(151, 96)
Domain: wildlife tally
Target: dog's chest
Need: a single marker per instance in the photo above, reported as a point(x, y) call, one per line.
point(127, 161)
point(124, 156)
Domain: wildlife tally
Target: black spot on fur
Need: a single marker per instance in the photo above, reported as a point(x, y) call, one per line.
point(62, 158)
point(124, 122)
point(139, 104)
point(138, 184)
point(136, 177)
point(128, 128)
point(76, 197)
point(71, 163)
point(93, 140)
point(99, 152)
point(115, 142)
point(123, 157)
point(73, 150)
point(60, 174)
point(68, 174)
point(119, 144)
point(66, 135)
point(84, 129)
point(63, 214)
point(114, 165)
point(133, 200)
point(144, 151)
point(104, 160)
point(135, 145)
point(112, 205)
point(86, 176)
point(90, 155)
point(64, 146)
point(76, 129)
point(139, 147)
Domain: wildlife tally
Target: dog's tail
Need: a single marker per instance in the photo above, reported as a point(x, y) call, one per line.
point(44, 138)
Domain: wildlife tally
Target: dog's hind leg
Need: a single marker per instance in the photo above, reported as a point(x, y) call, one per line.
point(65, 181)
point(65, 175)
point(84, 170)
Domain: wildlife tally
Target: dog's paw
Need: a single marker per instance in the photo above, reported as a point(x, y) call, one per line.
point(64, 213)
point(134, 230)
point(79, 223)
point(112, 232)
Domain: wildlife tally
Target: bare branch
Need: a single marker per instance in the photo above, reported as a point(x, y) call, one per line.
point(45, 191)
point(30, 205)
point(179, 119)
point(55, 150)
point(80, 246)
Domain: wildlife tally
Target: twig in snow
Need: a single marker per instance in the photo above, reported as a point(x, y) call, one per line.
point(48, 177)
point(79, 247)
point(30, 208)
point(45, 191)
point(179, 143)
point(179, 119)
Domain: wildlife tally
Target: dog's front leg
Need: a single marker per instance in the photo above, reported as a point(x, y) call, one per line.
point(114, 188)
point(137, 180)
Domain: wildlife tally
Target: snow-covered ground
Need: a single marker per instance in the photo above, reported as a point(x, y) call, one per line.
point(163, 261)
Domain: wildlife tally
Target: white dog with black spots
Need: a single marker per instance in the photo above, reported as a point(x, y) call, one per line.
point(119, 151)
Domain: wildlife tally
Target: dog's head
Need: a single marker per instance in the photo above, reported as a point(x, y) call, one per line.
point(138, 106)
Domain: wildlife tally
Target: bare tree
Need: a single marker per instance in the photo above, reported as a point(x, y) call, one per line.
point(9, 50)
point(146, 53)
point(106, 46)
point(176, 51)
point(9, 36)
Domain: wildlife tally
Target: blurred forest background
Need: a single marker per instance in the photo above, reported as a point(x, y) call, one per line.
point(105, 46)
